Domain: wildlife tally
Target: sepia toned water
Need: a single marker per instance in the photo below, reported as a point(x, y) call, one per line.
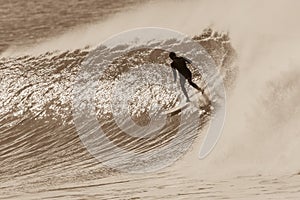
point(44, 46)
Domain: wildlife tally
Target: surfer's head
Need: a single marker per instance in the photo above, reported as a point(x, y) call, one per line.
point(172, 55)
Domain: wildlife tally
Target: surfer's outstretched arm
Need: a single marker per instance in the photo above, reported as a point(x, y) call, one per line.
point(187, 60)
point(174, 74)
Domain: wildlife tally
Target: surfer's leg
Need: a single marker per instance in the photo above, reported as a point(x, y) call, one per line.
point(199, 89)
point(194, 85)
point(182, 83)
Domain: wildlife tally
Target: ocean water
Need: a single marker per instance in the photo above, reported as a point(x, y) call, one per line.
point(52, 58)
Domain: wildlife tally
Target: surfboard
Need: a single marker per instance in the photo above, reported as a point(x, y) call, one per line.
point(176, 109)
point(195, 101)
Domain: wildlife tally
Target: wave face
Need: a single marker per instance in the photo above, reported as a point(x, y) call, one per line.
point(38, 135)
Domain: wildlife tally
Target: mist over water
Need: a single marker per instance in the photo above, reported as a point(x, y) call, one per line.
point(261, 135)
point(262, 126)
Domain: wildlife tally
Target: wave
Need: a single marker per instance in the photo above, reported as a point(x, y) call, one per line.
point(39, 144)
point(37, 124)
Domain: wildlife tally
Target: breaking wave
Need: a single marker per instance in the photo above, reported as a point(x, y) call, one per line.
point(36, 104)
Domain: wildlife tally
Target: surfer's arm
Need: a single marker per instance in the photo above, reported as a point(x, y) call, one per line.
point(187, 60)
point(174, 71)
point(174, 74)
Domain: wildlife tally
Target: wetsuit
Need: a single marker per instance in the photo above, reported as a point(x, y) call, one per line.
point(179, 64)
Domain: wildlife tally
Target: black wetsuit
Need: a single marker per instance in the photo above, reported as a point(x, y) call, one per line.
point(179, 63)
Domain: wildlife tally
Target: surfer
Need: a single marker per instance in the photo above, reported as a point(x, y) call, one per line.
point(179, 64)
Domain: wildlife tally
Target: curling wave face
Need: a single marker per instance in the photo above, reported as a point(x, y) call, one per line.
point(38, 136)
